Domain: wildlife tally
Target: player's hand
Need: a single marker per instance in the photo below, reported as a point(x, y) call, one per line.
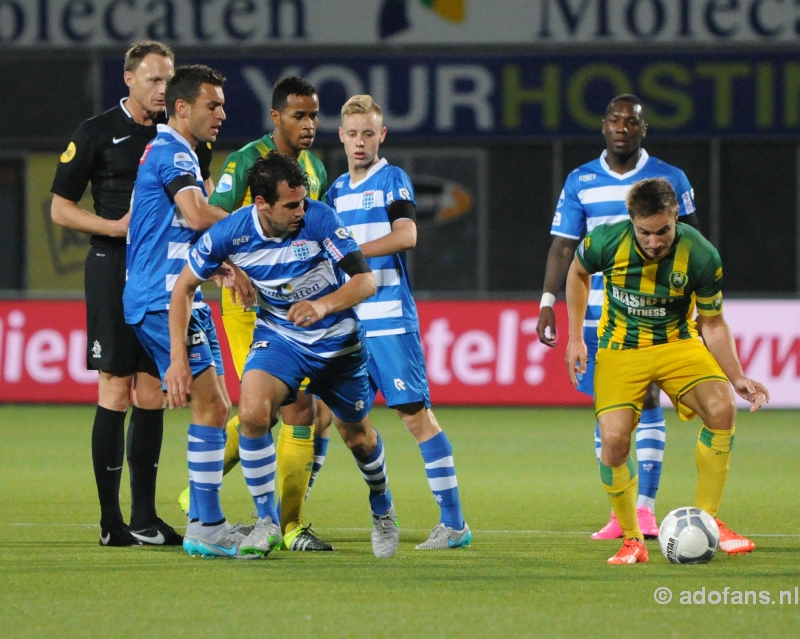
point(754, 392)
point(178, 379)
point(306, 313)
point(576, 358)
point(119, 228)
point(242, 289)
point(546, 326)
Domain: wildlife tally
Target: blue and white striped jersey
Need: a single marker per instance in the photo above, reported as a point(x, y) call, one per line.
point(363, 208)
point(285, 270)
point(593, 194)
point(158, 235)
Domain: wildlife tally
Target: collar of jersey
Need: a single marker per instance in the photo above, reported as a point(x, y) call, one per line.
point(643, 157)
point(373, 170)
point(260, 230)
point(166, 128)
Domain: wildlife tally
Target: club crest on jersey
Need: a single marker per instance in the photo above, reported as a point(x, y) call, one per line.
point(313, 183)
point(300, 250)
point(183, 161)
point(717, 303)
point(678, 280)
point(367, 200)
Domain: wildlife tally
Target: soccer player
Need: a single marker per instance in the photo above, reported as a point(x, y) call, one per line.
point(289, 246)
point(376, 202)
point(105, 151)
point(300, 450)
point(168, 211)
point(655, 271)
point(594, 194)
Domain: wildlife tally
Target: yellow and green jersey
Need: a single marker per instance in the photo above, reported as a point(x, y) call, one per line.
point(646, 302)
point(231, 190)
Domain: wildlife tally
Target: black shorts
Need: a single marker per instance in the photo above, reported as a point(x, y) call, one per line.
point(111, 345)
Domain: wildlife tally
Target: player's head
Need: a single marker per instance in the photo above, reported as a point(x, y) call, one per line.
point(279, 188)
point(653, 207)
point(624, 126)
point(295, 111)
point(194, 101)
point(362, 131)
point(148, 67)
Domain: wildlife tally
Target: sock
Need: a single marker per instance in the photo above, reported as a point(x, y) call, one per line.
point(258, 466)
point(108, 452)
point(205, 454)
point(194, 514)
point(597, 442)
point(712, 456)
point(145, 433)
point(320, 452)
point(295, 459)
point(650, 437)
point(232, 447)
point(620, 483)
point(373, 470)
point(438, 455)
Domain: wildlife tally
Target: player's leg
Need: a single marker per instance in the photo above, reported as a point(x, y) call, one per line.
point(621, 380)
point(322, 425)
point(650, 439)
point(261, 397)
point(295, 451)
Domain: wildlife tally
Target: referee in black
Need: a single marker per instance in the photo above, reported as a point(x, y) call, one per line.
point(105, 151)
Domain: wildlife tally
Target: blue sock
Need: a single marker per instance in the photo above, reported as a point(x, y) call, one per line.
point(193, 512)
point(597, 443)
point(650, 438)
point(258, 466)
point(320, 452)
point(206, 454)
point(438, 455)
point(373, 470)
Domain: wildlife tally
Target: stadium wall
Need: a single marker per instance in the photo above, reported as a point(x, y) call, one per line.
point(477, 353)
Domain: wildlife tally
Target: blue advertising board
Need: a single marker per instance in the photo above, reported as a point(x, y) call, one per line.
point(473, 97)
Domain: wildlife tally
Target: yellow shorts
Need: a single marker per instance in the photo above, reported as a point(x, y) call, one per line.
point(239, 326)
point(621, 377)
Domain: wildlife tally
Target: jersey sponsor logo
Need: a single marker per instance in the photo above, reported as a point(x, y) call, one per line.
point(183, 161)
point(301, 250)
point(678, 280)
point(225, 183)
point(342, 233)
point(367, 200)
point(288, 293)
point(195, 339)
point(640, 305)
point(117, 140)
point(241, 240)
point(587, 178)
point(262, 343)
point(196, 257)
point(334, 252)
point(67, 155)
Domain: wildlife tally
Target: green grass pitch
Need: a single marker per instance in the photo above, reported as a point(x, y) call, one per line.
point(531, 494)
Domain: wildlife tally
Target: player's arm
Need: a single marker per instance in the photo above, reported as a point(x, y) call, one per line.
point(559, 258)
point(359, 287)
point(198, 213)
point(402, 237)
point(578, 285)
point(178, 377)
point(720, 342)
point(67, 213)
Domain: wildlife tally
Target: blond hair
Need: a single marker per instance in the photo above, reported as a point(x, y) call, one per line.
point(362, 104)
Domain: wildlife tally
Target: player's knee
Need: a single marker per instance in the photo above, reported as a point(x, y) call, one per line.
point(721, 412)
point(360, 439)
point(615, 448)
point(256, 418)
point(114, 392)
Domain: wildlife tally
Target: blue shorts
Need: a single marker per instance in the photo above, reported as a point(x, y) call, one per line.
point(397, 369)
point(586, 380)
point(341, 382)
point(202, 344)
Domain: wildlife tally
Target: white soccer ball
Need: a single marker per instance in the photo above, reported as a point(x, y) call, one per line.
point(688, 535)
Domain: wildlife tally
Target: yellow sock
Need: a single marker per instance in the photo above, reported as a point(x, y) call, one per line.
point(712, 456)
point(622, 486)
point(295, 453)
point(232, 446)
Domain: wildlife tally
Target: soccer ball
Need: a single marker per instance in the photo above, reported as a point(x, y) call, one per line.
point(688, 536)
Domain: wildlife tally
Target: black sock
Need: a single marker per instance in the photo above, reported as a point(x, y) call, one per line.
point(108, 450)
point(145, 432)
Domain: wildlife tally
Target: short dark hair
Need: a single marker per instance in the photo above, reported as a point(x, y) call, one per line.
point(289, 86)
point(625, 97)
point(140, 50)
point(651, 197)
point(269, 171)
point(186, 83)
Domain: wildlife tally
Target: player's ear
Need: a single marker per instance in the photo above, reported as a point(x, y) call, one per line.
point(128, 77)
point(276, 116)
point(341, 135)
point(383, 135)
